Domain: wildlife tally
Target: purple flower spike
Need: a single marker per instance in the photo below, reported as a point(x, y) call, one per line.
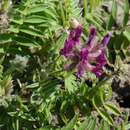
point(91, 57)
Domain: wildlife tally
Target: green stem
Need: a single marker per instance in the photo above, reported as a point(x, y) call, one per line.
point(85, 8)
point(62, 14)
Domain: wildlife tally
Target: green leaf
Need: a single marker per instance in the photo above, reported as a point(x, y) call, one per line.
point(126, 12)
point(71, 124)
point(127, 127)
point(106, 125)
point(60, 42)
point(4, 38)
point(84, 125)
point(113, 15)
point(101, 125)
point(24, 41)
point(49, 86)
point(91, 19)
point(94, 4)
point(48, 128)
point(5, 5)
point(64, 105)
point(112, 108)
point(102, 112)
point(92, 125)
point(70, 83)
point(114, 9)
point(5, 85)
point(34, 19)
point(32, 32)
point(35, 9)
point(17, 21)
point(126, 33)
point(118, 41)
point(88, 124)
point(123, 126)
point(49, 14)
point(12, 113)
point(106, 116)
point(34, 85)
point(2, 50)
point(105, 91)
point(14, 29)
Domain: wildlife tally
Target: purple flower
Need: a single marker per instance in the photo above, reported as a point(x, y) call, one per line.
point(71, 42)
point(91, 57)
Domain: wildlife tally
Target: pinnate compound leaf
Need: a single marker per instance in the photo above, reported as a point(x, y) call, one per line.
point(126, 12)
point(102, 112)
point(24, 41)
point(112, 108)
point(71, 124)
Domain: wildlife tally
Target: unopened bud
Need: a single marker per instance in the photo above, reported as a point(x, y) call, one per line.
point(74, 23)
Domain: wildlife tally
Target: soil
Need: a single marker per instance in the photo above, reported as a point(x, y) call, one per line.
point(121, 93)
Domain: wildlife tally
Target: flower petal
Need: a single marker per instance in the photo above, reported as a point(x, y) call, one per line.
point(97, 71)
point(71, 42)
point(75, 34)
point(94, 55)
point(106, 39)
point(84, 54)
point(101, 59)
point(67, 48)
point(84, 66)
point(92, 34)
point(80, 71)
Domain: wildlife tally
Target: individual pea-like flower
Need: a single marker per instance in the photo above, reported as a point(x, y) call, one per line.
point(90, 57)
point(71, 42)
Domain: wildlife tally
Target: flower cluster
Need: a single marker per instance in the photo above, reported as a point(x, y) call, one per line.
point(89, 57)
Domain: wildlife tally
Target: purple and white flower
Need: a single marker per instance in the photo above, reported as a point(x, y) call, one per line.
point(90, 57)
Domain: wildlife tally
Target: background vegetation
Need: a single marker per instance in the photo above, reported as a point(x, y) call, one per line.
point(36, 93)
